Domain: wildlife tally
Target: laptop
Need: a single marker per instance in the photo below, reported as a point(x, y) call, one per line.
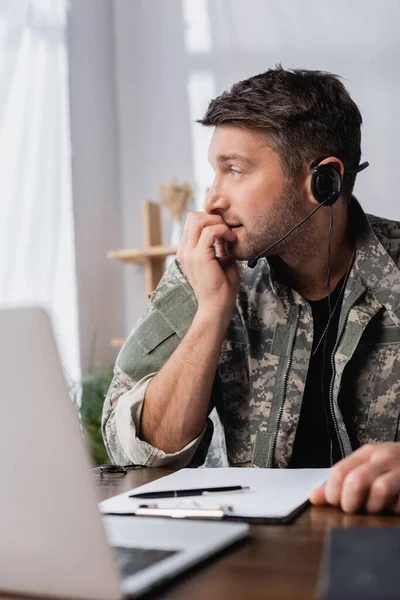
point(53, 540)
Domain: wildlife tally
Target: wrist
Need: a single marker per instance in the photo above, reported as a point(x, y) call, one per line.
point(215, 317)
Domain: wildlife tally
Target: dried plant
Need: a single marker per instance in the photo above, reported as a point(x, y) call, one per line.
point(175, 197)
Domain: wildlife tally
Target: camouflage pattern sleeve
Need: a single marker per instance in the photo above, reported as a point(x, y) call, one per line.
point(150, 344)
point(121, 426)
point(120, 385)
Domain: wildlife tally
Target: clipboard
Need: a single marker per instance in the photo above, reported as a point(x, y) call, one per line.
point(275, 496)
point(218, 513)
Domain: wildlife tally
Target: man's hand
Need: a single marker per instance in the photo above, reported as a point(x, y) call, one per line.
point(213, 275)
point(369, 479)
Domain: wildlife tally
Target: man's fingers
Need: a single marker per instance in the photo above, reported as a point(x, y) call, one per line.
point(342, 469)
point(383, 491)
point(214, 233)
point(357, 484)
point(195, 223)
point(318, 496)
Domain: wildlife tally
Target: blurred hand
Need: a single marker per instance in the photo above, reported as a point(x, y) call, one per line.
point(213, 275)
point(369, 479)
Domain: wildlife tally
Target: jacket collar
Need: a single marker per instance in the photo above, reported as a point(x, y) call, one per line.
point(374, 265)
point(373, 268)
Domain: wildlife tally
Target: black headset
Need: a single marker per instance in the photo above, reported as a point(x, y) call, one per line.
point(326, 187)
point(326, 182)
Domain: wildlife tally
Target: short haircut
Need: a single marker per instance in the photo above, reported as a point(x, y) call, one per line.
point(304, 114)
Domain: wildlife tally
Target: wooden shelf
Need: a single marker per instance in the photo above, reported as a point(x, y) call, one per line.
point(142, 256)
point(152, 257)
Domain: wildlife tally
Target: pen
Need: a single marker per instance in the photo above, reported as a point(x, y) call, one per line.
point(191, 492)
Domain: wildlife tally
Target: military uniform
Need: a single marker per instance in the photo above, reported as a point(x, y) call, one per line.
point(257, 392)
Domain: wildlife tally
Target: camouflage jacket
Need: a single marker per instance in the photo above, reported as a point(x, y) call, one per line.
point(258, 389)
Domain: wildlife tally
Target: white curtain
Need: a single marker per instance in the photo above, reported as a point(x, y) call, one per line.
point(37, 261)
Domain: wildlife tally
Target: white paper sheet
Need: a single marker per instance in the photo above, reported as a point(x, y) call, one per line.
point(274, 493)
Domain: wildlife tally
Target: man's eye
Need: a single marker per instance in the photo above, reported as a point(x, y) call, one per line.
point(234, 172)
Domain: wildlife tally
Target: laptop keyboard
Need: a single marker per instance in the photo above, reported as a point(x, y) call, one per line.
point(133, 560)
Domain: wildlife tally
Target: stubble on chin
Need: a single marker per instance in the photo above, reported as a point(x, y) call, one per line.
point(240, 250)
point(268, 229)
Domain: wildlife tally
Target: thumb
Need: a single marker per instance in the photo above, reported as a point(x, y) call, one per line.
point(220, 248)
point(318, 496)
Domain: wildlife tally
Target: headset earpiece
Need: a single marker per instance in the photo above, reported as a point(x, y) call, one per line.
point(326, 183)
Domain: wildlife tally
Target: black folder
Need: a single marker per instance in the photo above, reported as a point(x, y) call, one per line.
point(361, 563)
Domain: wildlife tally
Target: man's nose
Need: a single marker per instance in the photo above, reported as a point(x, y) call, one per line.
point(216, 202)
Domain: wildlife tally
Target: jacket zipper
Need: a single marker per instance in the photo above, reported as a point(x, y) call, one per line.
point(285, 382)
point(331, 408)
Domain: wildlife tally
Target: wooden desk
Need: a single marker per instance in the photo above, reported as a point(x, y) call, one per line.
point(280, 562)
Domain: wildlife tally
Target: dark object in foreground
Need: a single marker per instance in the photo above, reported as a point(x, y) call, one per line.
point(361, 563)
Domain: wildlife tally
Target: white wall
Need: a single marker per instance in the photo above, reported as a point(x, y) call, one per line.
point(95, 175)
point(155, 141)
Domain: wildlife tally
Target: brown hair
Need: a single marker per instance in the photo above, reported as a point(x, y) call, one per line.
point(304, 114)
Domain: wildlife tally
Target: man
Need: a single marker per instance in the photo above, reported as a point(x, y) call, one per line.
point(300, 373)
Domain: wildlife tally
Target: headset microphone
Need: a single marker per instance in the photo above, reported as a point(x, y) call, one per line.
point(326, 187)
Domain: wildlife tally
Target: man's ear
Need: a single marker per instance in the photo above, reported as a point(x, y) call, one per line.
point(334, 162)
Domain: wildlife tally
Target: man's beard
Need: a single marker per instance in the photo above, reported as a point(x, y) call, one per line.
point(270, 227)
